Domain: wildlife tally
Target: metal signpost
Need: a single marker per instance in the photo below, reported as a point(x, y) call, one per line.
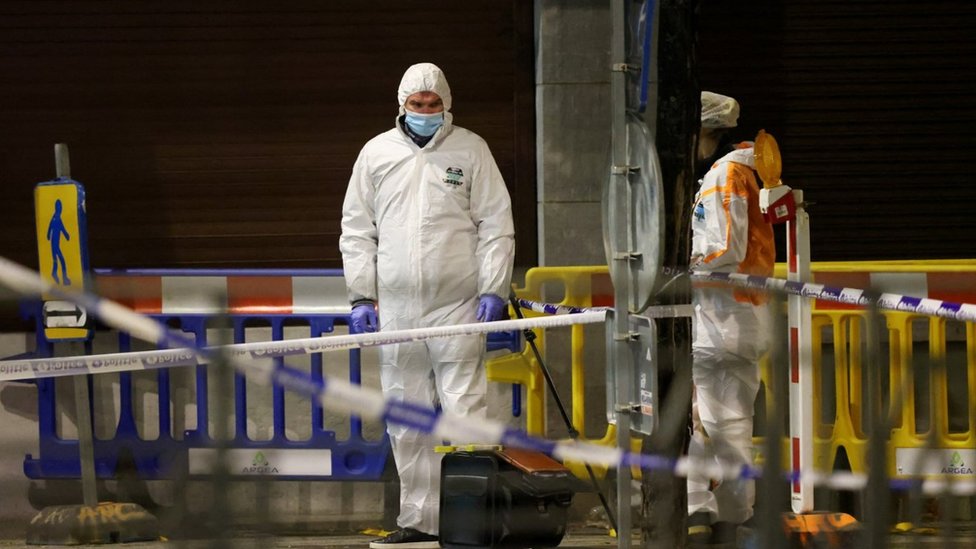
point(62, 252)
point(633, 214)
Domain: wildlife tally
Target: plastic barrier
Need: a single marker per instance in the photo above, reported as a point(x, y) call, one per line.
point(933, 406)
point(311, 301)
point(929, 410)
point(949, 392)
point(579, 287)
point(586, 286)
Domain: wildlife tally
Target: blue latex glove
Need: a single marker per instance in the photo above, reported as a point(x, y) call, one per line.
point(363, 318)
point(490, 308)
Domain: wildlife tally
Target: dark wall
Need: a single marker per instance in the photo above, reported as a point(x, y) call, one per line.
point(873, 104)
point(222, 133)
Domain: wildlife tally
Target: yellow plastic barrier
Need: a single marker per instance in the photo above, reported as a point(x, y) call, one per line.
point(579, 287)
point(838, 332)
point(952, 280)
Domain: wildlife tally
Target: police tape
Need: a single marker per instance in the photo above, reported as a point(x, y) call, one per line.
point(556, 309)
point(40, 368)
point(654, 311)
point(18, 370)
point(965, 312)
point(345, 397)
point(851, 296)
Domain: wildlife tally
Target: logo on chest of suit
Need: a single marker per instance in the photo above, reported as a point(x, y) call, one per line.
point(700, 212)
point(454, 176)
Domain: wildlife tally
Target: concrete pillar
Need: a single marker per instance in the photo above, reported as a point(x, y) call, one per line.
point(573, 128)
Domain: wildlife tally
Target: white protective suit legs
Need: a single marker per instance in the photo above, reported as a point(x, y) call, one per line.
point(725, 388)
point(408, 372)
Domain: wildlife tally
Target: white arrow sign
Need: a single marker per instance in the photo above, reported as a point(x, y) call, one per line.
point(64, 314)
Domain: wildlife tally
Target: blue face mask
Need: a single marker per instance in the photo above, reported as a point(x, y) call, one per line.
point(424, 124)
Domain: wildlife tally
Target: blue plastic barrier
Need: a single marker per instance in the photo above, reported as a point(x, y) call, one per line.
point(353, 458)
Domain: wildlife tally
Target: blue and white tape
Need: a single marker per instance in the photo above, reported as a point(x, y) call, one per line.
point(552, 309)
point(655, 311)
point(149, 360)
point(851, 296)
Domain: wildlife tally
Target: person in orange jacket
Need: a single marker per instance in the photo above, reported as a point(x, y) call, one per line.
point(730, 326)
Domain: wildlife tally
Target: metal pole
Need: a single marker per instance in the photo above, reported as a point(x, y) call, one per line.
point(878, 495)
point(62, 161)
point(86, 441)
point(619, 171)
point(221, 518)
point(772, 485)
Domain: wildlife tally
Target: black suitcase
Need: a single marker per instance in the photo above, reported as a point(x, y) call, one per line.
point(503, 498)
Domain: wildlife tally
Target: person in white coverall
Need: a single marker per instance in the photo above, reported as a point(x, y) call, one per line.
point(730, 326)
point(427, 237)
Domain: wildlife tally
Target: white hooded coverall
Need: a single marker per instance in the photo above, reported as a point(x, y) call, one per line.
point(425, 232)
point(730, 329)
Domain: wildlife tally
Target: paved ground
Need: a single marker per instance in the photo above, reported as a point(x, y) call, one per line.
point(964, 536)
point(575, 539)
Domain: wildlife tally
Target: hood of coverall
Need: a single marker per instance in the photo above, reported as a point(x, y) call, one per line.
point(718, 111)
point(425, 77)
